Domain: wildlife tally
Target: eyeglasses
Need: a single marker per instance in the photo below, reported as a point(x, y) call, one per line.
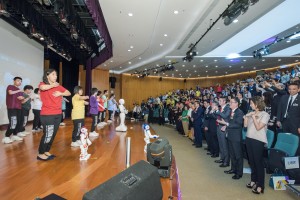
point(233, 102)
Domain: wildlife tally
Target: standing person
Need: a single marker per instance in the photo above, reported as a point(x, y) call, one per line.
point(14, 97)
point(288, 114)
point(77, 114)
point(63, 109)
point(256, 138)
point(101, 108)
point(94, 111)
point(197, 122)
point(104, 97)
point(223, 113)
point(243, 104)
point(212, 130)
point(110, 107)
point(208, 136)
point(26, 106)
point(185, 121)
point(234, 128)
point(36, 109)
point(51, 95)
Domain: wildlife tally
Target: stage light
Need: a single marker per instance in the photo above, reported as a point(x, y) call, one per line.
point(233, 11)
point(159, 154)
point(73, 32)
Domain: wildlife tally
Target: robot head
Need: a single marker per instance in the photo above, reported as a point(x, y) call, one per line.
point(121, 101)
point(84, 130)
point(146, 127)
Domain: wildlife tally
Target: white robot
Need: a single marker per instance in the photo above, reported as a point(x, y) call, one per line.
point(86, 142)
point(122, 127)
point(148, 136)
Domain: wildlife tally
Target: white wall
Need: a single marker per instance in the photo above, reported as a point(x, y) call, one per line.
point(19, 56)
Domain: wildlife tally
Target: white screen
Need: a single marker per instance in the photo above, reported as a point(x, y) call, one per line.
point(19, 56)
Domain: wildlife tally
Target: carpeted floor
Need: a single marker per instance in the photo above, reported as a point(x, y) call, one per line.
point(202, 178)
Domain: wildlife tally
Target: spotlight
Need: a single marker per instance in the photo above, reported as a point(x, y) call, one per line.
point(73, 32)
point(240, 6)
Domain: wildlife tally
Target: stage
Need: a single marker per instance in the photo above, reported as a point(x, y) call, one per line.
point(22, 176)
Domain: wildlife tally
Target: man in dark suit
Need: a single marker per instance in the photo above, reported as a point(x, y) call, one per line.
point(288, 114)
point(234, 128)
point(243, 104)
point(197, 116)
point(223, 113)
point(211, 129)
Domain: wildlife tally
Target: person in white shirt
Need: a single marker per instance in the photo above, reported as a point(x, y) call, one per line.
point(36, 109)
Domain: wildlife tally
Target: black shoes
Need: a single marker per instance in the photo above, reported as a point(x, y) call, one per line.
point(206, 148)
point(208, 153)
point(46, 159)
point(229, 172)
point(251, 185)
point(198, 146)
point(218, 161)
point(258, 190)
point(224, 165)
point(236, 177)
point(214, 155)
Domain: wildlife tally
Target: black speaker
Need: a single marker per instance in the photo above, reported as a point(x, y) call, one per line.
point(139, 182)
point(112, 81)
point(160, 78)
point(184, 80)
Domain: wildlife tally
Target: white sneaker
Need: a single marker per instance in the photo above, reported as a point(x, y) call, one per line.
point(75, 144)
point(94, 134)
point(109, 121)
point(26, 132)
point(79, 142)
point(21, 134)
point(16, 138)
point(6, 140)
point(62, 124)
point(104, 123)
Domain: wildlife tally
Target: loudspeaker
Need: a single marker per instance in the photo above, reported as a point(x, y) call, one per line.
point(184, 80)
point(160, 78)
point(140, 181)
point(112, 81)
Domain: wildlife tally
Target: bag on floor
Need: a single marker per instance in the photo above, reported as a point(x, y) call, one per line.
point(278, 180)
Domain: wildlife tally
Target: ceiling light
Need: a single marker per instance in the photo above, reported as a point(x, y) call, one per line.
point(176, 70)
point(187, 70)
point(161, 45)
point(244, 60)
point(120, 67)
point(229, 66)
point(263, 60)
point(194, 66)
point(201, 60)
point(235, 21)
point(176, 12)
point(111, 61)
point(166, 74)
point(216, 71)
point(129, 63)
point(183, 65)
point(42, 38)
point(169, 60)
point(296, 60)
point(198, 75)
point(166, 35)
point(254, 67)
point(242, 66)
point(131, 47)
point(215, 60)
point(130, 14)
point(225, 72)
point(104, 65)
point(179, 74)
point(140, 58)
point(233, 55)
point(279, 60)
point(206, 66)
point(129, 50)
point(216, 66)
point(206, 71)
point(195, 71)
point(288, 41)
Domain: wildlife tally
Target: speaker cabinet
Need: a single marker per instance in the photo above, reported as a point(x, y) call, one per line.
point(141, 181)
point(112, 81)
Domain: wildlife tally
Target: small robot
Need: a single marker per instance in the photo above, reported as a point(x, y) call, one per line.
point(122, 127)
point(86, 142)
point(148, 135)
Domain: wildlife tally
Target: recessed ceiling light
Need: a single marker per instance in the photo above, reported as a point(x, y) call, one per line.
point(235, 21)
point(225, 72)
point(216, 66)
point(129, 50)
point(296, 60)
point(288, 41)
point(195, 71)
point(198, 75)
point(201, 60)
point(130, 14)
point(242, 66)
point(190, 75)
point(120, 67)
point(187, 70)
point(244, 60)
point(194, 66)
point(164, 73)
point(157, 65)
point(179, 74)
point(206, 66)
point(254, 67)
point(166, 35)
point(140, 58)
point(215, 60)
point(129, 63)
point(161, 45)
point(169, 60)
point(206, 71)
point(183, 65)
point(176, 12)
point(263, 60)
point(131, 47)
point(111, 61)
point(229, 66)
point(176, 70)
point(216, 71)
point(104, 65)
point(279, 60)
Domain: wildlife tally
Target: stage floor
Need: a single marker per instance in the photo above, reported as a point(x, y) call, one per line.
point(22, 176)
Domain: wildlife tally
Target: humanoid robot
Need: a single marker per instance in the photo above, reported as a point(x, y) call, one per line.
point(86, 142)
point(148, 136)
point(122, 127)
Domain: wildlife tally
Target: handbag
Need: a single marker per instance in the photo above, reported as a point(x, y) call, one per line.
point(278, 180)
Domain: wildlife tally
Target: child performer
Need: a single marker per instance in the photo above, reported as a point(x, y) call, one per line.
point(94, 112)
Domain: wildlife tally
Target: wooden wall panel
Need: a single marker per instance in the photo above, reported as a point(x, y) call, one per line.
point(118, 86)
point(100, 79)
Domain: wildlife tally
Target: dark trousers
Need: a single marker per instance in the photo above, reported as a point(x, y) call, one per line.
point(94, 122)
point(78, 124)
point(63, 114)
point(50, 126)
point(289, 127)
point(255, 151)
point(223, 145)
point(100, 113)
point(212, 141)
point(37, 119)
point(110, 112)
point(198, 134)
point(14, 118)
point(236, 156)
point(23, 120)
point(103, 115)
point(161, 121)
